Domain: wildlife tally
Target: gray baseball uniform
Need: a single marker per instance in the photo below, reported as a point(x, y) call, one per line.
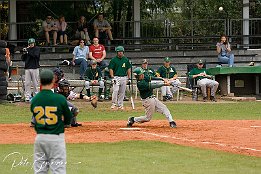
point(119, 66)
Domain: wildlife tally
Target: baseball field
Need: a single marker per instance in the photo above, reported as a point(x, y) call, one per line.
point(222, 137)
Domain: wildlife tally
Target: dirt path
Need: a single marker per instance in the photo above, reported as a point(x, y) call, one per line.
point(241, 137)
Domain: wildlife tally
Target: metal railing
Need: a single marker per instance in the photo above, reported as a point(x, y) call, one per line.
point(185, 31)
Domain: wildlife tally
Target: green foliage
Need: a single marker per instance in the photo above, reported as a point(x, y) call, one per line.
point(146, 157)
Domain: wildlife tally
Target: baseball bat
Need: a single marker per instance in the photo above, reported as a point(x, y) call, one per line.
point(131, 99)
point(131, 89)
point(185, 89)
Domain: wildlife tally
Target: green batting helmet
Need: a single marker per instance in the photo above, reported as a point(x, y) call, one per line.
point(138, 71)
point(119, 49)
point(31, 40)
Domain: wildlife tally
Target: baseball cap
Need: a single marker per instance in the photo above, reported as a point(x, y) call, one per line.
point(46, 76)
point(144, 61)
point(166, 59)
point(93, 62)
point(200, 61)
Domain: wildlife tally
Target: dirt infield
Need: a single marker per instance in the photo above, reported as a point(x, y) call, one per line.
point(241, 137)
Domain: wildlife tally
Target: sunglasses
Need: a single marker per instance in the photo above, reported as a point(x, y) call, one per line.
point(81, 42)
point(49, 18)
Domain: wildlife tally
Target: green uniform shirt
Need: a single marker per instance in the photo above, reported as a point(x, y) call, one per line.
point(196, 71)
point(144, 87)
point(166, 72)
point(93, 74)
point(120, 66)
point(149, 72)
point(48, 108)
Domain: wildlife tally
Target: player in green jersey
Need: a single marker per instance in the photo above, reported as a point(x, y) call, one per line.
point(51, 112)
point(149, 101)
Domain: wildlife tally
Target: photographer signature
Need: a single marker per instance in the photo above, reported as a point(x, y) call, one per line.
point(18, 160)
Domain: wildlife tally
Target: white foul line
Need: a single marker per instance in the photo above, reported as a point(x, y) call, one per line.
point(256, 126)
point(203, 142)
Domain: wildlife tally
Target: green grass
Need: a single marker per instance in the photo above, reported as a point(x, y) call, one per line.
point(137, 157)
point(19, 112)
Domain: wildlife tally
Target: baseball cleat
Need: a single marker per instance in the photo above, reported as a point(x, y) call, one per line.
point(172, 124)
point(130, 121)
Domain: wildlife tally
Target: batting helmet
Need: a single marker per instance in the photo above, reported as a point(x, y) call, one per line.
point(64, 87)
point(59, 73)
point(119, 49)
point(138, 71)
point(31, 40)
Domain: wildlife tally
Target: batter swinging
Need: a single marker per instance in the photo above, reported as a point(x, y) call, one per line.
point(149, 101)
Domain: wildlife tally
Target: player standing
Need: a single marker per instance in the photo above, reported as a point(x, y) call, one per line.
point(120, 72)
point(51, 112)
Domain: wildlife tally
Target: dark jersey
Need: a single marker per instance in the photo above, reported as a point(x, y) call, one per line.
point(144, 87)
point(167, 73)
point(93, 74)
point(149, 72)
point(120, 66)
point(32, 58)
point(196, 71)
point(49, 110)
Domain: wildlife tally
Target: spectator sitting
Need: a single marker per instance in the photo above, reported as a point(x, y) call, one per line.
point(203, 80)
point(49, 27)
point(98, 53)
point(82, 31)
point(62, 25)
point(101, 25)
point(80, 55)
point(93, 76)
point(224, 49)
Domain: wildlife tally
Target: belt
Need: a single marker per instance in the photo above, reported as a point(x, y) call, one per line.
point(152, 96)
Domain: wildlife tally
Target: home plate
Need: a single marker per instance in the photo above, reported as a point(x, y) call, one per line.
point(130, 128)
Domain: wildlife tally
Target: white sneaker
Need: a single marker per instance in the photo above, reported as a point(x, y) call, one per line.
point(113, 106)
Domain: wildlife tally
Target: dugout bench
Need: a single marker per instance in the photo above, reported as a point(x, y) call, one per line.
point(243, 80)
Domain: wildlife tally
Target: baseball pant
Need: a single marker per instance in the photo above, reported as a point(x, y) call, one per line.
point(175, 85)
point(119, 88)
point(87, 84)
point(151, 105)
point(203, 83)
point(49, 152)
point(165, 90)
point(31, 75)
